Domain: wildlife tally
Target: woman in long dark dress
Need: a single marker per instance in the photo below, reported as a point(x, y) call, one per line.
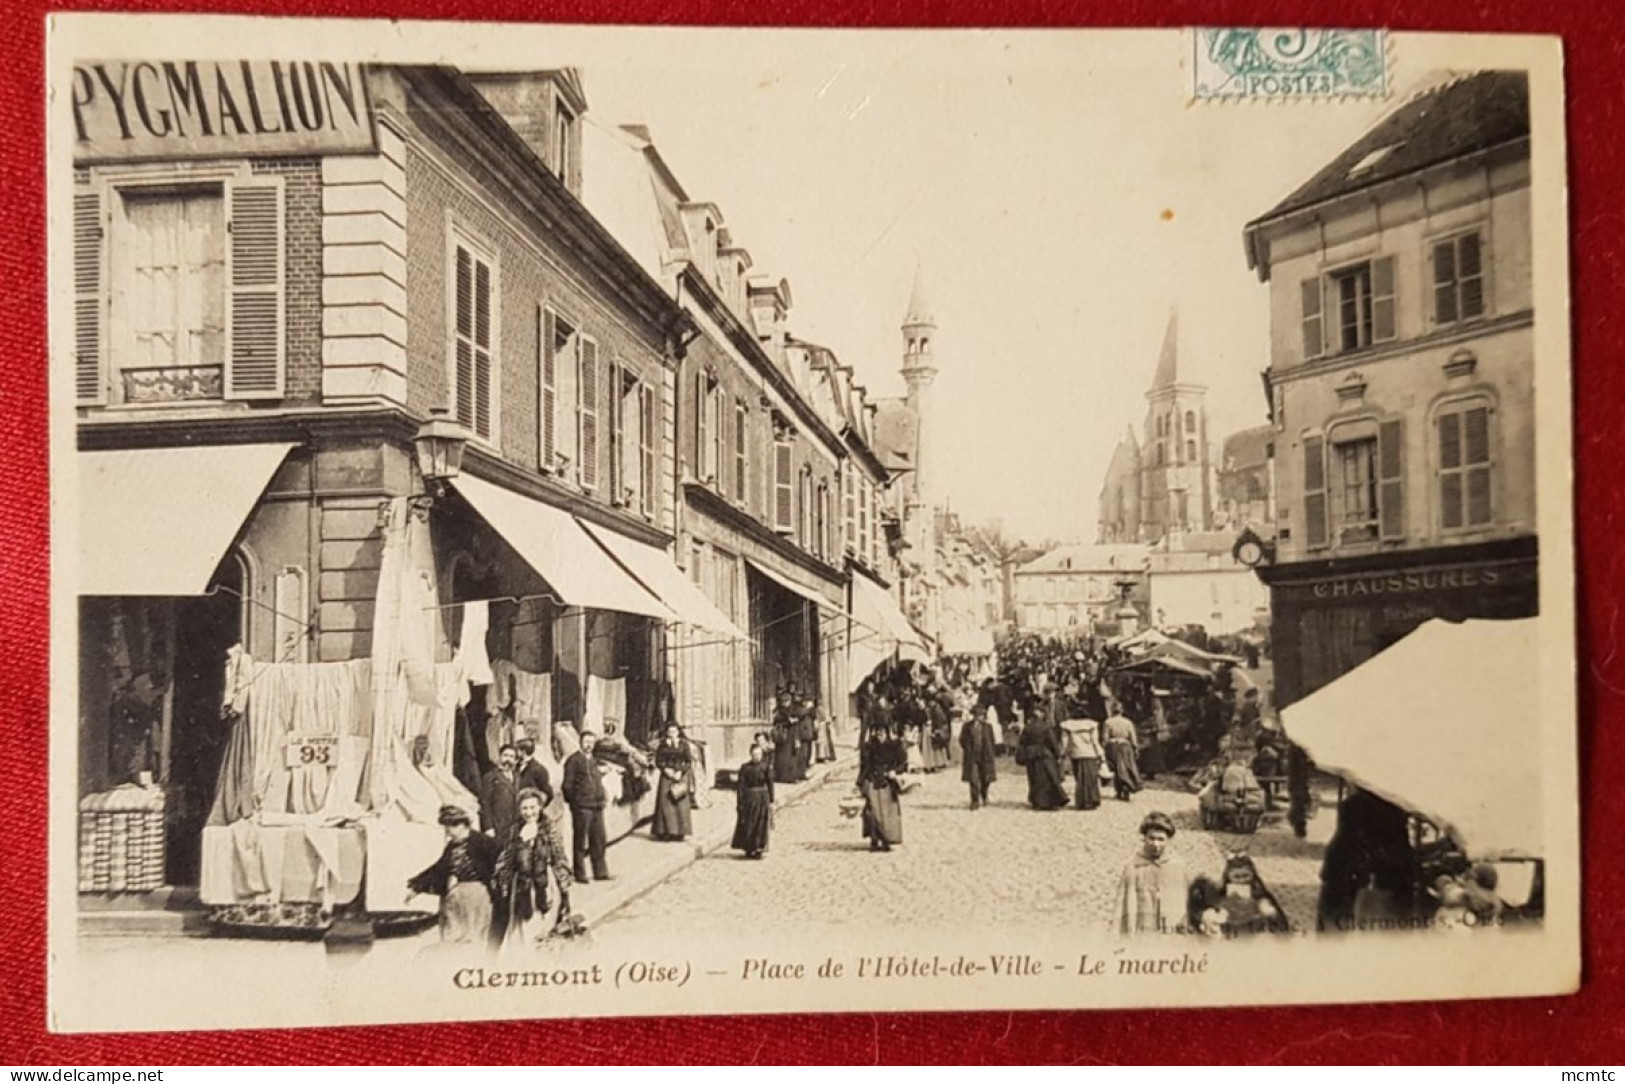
point(755, 804)
point(786, 760)
point(883, 759)
point(531, 852)
point(673, 819)
point(1041, 753)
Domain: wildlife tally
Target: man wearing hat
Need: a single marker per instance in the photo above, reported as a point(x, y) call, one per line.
point(462, 879)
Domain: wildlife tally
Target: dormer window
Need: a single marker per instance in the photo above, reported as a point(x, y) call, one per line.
point(564, 122)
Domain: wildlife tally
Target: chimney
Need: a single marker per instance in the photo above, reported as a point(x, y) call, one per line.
point(545, 109)
point(769, 304)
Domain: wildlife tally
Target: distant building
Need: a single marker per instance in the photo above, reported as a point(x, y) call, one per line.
point(1194, 579)
point(1402, 381)
point(1162, 481)
point(1073, 589)
point(1245, 480)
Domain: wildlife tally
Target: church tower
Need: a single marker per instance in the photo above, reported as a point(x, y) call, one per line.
point(1176, 492)
point(919, 373)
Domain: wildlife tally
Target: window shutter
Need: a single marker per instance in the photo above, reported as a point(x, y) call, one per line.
point(741, 434)
point(783, 488)
point(1314, 337)
point(589, 414)
point(1314, 492)
point(1444, 283)
point(1470, 267)
point(1391, 479)
point(89, 300)
point(548, 423)
point(464, 338)
point(617, 433)
point(254, 368)
point(1382, 300)
point(647, 420)
point(482, 348)
point(1476, 458)
point(700, 383)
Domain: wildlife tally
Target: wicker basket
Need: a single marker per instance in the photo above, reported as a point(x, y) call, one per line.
point(121, 840)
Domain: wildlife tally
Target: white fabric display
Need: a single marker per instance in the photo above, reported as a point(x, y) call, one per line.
point(606, 703)
point(471, 655)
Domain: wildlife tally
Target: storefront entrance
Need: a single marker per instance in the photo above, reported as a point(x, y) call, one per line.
point(1328, 617)
point(205, 627)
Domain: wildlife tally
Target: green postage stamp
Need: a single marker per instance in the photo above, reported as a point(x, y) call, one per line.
point(1283, 64)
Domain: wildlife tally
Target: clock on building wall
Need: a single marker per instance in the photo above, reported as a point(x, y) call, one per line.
point(1251, 550)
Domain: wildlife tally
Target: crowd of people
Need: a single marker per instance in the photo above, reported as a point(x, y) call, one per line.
point(1064, 713)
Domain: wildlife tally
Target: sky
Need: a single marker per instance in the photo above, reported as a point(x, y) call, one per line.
point(1057, 190)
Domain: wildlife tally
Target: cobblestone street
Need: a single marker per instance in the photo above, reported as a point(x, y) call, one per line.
point(1004, 865)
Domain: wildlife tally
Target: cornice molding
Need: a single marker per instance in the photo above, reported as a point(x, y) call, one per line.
point(725, 512)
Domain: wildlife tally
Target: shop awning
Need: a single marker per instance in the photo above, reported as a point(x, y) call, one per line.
point(157, 521)
point(793, 587)
point(656, 571)
point(1446, 724)
point(558, 547)
point(874, 607)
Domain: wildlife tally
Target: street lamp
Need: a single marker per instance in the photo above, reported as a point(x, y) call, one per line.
point(439, 445)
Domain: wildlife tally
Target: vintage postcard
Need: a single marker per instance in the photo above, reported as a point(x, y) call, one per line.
point(596, 521)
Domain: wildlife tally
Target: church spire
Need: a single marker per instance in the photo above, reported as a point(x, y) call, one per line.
point(1168, 362)
point(919, 311)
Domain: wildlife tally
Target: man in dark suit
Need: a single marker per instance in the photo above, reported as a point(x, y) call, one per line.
point(499, 795)
point(532, 773)
point(584, 794)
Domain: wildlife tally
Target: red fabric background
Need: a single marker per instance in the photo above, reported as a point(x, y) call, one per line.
point(1587, 1028)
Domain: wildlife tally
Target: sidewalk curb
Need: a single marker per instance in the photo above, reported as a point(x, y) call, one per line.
point(597, 907)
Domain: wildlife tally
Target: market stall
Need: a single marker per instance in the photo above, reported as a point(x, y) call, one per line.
point(1438, 726)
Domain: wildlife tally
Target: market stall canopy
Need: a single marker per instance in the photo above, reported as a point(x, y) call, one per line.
point(875, 609)
point(967, 642)
point(793, 587)
point(1440, 724)
point(561, 551)
point(157, 521)
point(1165, 664)
point(660, 574)
point(1143, 640)
point(1191, 653)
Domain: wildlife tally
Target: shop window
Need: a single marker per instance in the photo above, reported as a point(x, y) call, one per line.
point(1464, 465)
point(1458, 279)
point(474, 296)
point(198, 310)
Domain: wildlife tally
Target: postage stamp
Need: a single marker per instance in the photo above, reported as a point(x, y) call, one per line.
point(1284, 64)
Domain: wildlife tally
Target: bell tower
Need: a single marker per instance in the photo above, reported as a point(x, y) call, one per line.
point(919, 373)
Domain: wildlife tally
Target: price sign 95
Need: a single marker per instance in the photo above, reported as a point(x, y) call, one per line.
point(311, 751)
